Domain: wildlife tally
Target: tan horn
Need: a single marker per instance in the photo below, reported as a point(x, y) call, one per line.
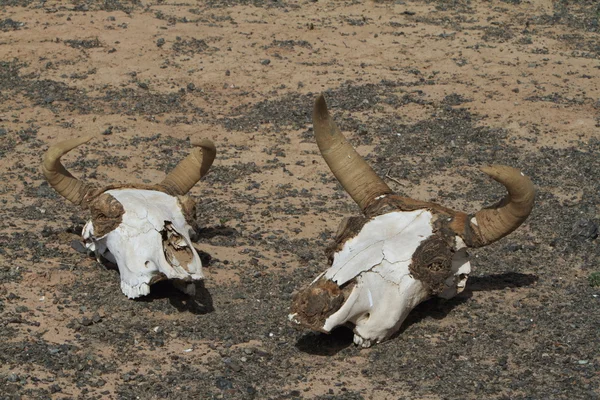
point(59, 178)
point(191, 169)
point(492, 224)
point(350, 169)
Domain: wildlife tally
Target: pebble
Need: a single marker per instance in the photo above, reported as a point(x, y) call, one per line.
point(586, 229)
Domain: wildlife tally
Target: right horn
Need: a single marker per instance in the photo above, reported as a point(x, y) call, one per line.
point(496, 222)
point(350, 169)
point(59, 178)
point(191, 169)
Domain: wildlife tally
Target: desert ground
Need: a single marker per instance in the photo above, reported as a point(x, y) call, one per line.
point(427, 90)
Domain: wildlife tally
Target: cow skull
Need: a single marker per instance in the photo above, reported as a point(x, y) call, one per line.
point(143, 229)
point(402, 252)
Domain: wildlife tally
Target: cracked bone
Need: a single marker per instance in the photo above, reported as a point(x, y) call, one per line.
point(402, 252)
point(143, 229)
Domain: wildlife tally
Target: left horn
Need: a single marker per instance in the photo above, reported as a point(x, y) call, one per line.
point(191, 169)
point(350, 169)
point(57, 175)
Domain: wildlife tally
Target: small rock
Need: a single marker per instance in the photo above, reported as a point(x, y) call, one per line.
point(586, 229)
point(108, 131)
point(235, 366)
point(85, 321)
point(55, 388)
point(96, 318)
point(266, 61)
point(223, 383)
point(160, 42)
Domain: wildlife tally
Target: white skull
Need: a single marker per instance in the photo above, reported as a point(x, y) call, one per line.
point(375, 264)
point(143, 229)
point(151, 243)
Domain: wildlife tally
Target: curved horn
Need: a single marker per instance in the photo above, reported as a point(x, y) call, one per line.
point(350, 169)
point(494, 223)
point(191, 169)
point(59, 178)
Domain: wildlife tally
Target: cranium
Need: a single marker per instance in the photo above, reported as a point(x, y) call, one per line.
point(143, 229)
point(402, 251)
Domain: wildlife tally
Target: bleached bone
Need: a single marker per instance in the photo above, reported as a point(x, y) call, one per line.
point(143, 229)
point(402, 252)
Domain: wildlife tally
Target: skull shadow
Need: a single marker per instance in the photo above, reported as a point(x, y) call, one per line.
point(323, 344)
point(199, 303)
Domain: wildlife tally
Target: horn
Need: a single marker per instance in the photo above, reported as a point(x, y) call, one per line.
point(191, 169)
point(350, 169)
point(498, 221)
point(59, 178)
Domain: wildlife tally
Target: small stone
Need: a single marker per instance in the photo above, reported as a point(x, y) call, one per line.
point(55, 388)
point(235, 366)
point(85, 321)
point(160, 42)
point(223, 383)
point(108, 131)
point(266, 61)
point(12, 377)
point(586, 229)
point(96, 318)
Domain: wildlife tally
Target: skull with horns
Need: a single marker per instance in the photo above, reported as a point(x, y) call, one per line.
point(143, 229)
point(402, 251)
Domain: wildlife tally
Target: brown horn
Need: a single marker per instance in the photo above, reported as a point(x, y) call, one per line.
point(498, 221)
point(191, 169)
point(59, 178)
point(350, 169)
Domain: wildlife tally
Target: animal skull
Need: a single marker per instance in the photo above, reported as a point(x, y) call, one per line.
point(402, 252)
point(143, 229)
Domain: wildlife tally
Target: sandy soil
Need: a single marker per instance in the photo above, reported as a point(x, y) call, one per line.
point(426, 90)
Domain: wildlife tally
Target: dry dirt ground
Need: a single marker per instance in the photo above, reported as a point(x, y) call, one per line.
point(428, 90)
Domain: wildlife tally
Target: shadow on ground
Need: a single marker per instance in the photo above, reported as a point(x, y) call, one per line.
point(329, 344)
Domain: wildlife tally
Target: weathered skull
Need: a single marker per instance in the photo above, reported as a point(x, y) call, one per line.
point(402, 252)
point(143, 229)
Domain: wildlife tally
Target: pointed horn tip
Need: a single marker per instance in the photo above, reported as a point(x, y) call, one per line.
point(59, 149)
point(320, 110)
point(204, 143)
point(496, 171)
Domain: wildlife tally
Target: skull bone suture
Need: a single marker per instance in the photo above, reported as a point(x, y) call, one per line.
point(143, 229)
point(402, 251)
